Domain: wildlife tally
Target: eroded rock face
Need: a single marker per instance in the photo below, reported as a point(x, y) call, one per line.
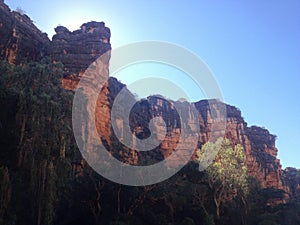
point(20, 39)
point(262, 158)
point(78, 49)
point(259, 144)
point(291, 177)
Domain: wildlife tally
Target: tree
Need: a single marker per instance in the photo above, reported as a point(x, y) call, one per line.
point(227, 175)
point(20, 10)
point(36, 137)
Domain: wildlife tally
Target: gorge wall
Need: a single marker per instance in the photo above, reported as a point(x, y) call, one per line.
point(21, 40)
point(76, 50)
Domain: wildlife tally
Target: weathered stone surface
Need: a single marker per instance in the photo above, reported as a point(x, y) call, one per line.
point(20, 39)
point(78, 49)
point(262, 161)
point(291, 177)
point(258, 143)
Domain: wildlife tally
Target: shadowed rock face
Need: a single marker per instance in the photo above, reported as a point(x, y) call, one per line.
point(78, 49)
point(259, 144)
point(292, 181)
point(21, 41)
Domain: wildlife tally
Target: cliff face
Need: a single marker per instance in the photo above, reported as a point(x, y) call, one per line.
point(21, 40)
point(78, 49)
point(259, 144)
point(259, 147)
point(291, 177)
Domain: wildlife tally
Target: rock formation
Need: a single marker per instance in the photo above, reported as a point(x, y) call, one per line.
point(291, 178)
point(21, 41)
point(78, 49)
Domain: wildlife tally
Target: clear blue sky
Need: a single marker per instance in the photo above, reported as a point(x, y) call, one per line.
point(252, 47)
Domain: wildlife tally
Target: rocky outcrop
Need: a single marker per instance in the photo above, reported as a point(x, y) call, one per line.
point(20, 39)
point(78, 49)
point(262, 158)
point(258, 143)
point(291, 177)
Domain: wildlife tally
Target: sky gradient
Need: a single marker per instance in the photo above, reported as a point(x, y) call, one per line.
point(252, 48)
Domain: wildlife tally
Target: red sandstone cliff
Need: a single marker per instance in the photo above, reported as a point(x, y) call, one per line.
point(20, 40)
point(77, 49)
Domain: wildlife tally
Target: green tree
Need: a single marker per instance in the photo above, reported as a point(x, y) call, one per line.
point(227, 175)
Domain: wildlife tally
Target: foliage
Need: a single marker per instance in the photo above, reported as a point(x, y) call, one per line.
point(227, 175)
point(37, 185)
point(36, 136)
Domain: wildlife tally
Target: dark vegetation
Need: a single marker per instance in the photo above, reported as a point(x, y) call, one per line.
point(38, 185)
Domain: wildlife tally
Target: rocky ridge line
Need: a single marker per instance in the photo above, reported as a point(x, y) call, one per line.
point(21, 40)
